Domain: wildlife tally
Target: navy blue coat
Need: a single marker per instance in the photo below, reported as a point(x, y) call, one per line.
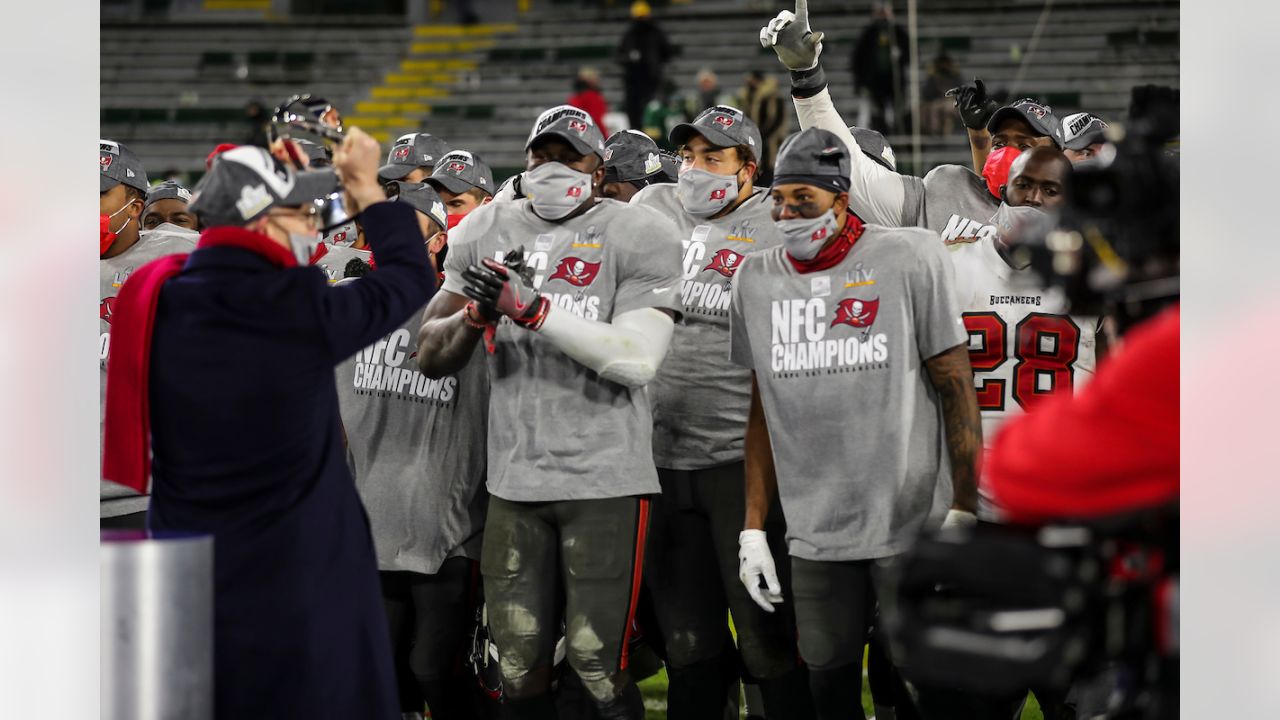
point(247, 445)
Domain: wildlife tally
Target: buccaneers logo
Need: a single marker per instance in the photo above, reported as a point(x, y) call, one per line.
point(106, 308)
point(104, 161)
point(857, 313)
point(575, 271)
point(724, 120)
point(457, 167)
point(725, 262)
point(577, 126)
point(718, 194)
point(401, 152)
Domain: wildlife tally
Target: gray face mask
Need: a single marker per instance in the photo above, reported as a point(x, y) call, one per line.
point(555, 189)
point(804, 237)
point(1008, 217)
point(703, 194)
point(169, 229)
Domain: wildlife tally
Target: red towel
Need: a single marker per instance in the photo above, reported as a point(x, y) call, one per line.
point(127, 434)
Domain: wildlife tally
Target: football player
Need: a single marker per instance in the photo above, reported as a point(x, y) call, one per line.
point(632, 162)
point(166, 205)
point(464, 182)
point(577, 296)
point(863, 418)
point(700, 411)
point(122, 248)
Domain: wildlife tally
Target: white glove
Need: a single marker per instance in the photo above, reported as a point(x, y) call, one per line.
point(755, 562)
point(789, 35)
point(959, 519)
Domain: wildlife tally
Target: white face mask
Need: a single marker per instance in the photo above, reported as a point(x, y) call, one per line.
point(703, 194)
point(555, 189)
point(303, 245)
point(1008, 217)
point(804, 237)
point(169, 229)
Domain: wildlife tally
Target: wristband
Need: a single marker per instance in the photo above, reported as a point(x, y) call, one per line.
point(807, 83)
point(534, 322)
point(472, 316)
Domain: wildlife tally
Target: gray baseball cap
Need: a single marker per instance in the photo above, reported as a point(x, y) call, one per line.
point(459, 171)
point(670, 166)
point(117, 164)
point(1038, 115)
point(245, 182)
point(631, 155)
point(317, 155)
point(1082, 130)
point(414, 150)
point(723, 126)
point(167, 190)
point(421, 197)
point(571, 125)
point(875, 146)
point(814, 157)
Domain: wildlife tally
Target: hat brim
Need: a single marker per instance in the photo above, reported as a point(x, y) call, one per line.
point(681, 133)
point(106, 183)
point(1085, 139)
point(1010, 112)
point(455, 185)
point(581, 146)
point(395, 171)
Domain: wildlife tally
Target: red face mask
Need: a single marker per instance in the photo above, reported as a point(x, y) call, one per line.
point(454, 220)
point(996, 169)
point(106, 238)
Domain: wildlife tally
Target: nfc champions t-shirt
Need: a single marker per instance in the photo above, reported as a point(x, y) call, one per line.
point(417, 448)
point(700, 398)
point(958, 204)
point(557, 430)
point(854, 420)
point(165, 240)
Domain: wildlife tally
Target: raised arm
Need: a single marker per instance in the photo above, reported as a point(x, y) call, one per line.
point(975, 110)
point(877, 193)
point(952, 377)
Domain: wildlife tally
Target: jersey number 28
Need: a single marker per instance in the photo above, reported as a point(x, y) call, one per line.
point(1046, 347)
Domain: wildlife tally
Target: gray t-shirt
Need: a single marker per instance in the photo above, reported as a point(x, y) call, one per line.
point(854, 420)
point(557, 430)
point(417, 449)
point(958, 204)
point(700, 398)
point(112, 272)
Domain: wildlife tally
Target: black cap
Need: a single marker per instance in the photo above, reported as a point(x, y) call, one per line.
point(117, 164)
point(421, 197)
point(167, 190)
point(459, 171)
point(571, 125)
point(875, 146)
point(723, 126)
point(247, 181)
point(814, 157)
point(1038, 115)
point(412, 151)
point(1081, 130)
point(631, 155)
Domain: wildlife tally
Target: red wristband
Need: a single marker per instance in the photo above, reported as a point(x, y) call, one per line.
point(471, 316)
point(534, 322)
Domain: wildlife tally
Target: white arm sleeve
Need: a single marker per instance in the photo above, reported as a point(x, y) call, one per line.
point(877, 193)
point(627, 351)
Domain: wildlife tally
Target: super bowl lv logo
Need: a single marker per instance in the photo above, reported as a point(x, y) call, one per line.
point(803, 340)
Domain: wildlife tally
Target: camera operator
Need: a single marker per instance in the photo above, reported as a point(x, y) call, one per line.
point(223, 365)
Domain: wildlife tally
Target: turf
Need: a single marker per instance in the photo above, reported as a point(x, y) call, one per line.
point(654, 690)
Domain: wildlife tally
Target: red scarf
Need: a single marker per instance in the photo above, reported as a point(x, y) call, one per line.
point(831, 255)
point(127, 434)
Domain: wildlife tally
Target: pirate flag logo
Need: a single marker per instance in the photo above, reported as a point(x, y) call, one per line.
point(106, 308)
point(576, 272)
point(401, 153)
point(725, 262)
point(856, 313)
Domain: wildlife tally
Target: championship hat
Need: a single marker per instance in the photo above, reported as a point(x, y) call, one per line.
point(459, 171)
point(1082, 130)
point(167, 190)
point(411, 151)
point(814, 157)
point(722, 126)
point(1038, 115)
point(571, 125)
point(631, 155)
point(247, 181)
point(117, 164)
point(421, 197)
point(875, 146)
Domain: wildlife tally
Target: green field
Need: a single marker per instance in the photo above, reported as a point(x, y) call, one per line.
point(654, 690)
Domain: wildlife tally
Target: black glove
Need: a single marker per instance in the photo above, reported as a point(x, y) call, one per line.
point(973, 104)
point(504, 288)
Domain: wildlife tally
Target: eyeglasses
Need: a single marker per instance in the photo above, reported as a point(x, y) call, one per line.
point(309, 215)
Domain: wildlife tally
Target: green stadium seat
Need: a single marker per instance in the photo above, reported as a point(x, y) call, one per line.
point(479, 112)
